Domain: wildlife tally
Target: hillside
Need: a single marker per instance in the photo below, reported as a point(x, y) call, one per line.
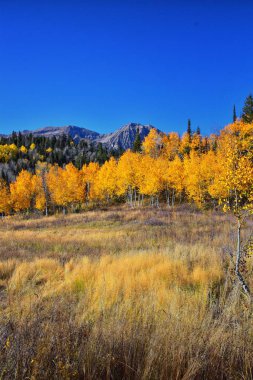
point(76, 133)
point(122, 138)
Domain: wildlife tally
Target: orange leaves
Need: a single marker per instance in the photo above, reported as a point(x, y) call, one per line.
point(89, 174)
point(106, 183)
point(171, 145)
point(214, 170)
point(128, 172)
point(65, 185)
point(7, 152)
point(233, 182)
point(22, 191)
point(4, 197)
point(150, 176)
point(152, 143)
point(176, 175)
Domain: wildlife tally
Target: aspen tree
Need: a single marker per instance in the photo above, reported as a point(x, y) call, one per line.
point(233, 182)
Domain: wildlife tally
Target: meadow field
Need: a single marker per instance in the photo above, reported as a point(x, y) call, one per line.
point(123, 293)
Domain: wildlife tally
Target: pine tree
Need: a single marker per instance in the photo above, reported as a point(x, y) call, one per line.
point(247, 115)
point(189, 130)
point(137, 142)
point(234, 114)
point(198, 131)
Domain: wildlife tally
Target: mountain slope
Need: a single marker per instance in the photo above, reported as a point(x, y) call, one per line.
point(124, 137)
point(76, 133)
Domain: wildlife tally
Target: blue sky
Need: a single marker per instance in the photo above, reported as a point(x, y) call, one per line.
point(100, 64)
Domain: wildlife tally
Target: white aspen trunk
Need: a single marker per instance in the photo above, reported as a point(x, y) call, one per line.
point(238, 259)
point(168, 197)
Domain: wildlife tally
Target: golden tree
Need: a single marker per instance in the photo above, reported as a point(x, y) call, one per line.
point(150, 178)
point(176, 179)
point(199, 171)
point(128, 176)
point(233, 182)
point(171, 145)
point(152, 143)
point(22, 191)
point(55, 182)
point(4, 198)
point(89, 175)
point(42, 195)
point(106, 181)
point(73, 185)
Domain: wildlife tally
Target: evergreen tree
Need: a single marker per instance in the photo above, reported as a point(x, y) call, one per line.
point(247, 115)
point(189, 129)
point(234, 114)
point(101, 154)
point(198, 131)
point(137, 142)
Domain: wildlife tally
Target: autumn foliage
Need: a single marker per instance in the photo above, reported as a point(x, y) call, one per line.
point(209, 171)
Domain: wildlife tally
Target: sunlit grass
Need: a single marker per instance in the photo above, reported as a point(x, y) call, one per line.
point(123, 294)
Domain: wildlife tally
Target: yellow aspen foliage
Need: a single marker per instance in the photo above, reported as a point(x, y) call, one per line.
point(42, 196)
point(196, 142)
point(7, 152)
point(89, 175)
point(212, 141)
point(212, 170)
point(65, 185)
point(128, 174)
point(106, 182)
point(176, 175)
point(150, 176)
point(22, 191)
point(233, 182)
point(73, 186)
point(199, 176)
point(56, 186)
point(185, 147)
point(162, 166)
point(39, 194)
point(32, 146)
point(23, 149)
point(170, 145)
point(152, 143)
point(4, 197)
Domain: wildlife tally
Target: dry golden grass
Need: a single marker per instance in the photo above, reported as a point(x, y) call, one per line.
point(122, 294)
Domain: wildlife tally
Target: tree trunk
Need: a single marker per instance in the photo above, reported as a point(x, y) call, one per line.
point(238, 259)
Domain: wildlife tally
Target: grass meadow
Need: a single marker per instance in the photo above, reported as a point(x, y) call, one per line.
point(123, 294)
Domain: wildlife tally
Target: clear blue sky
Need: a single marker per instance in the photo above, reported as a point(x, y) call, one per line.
point(100, 64)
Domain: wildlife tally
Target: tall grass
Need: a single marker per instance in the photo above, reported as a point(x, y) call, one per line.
point(122, 295)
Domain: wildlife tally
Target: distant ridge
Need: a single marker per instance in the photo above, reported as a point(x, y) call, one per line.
point(71, 130)
point(122, 138)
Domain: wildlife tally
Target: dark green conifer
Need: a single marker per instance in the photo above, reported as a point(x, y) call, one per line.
point(247, 111)
point(137, 142)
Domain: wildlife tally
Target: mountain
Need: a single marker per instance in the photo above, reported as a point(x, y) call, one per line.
point(76, 133)
point(122, 138)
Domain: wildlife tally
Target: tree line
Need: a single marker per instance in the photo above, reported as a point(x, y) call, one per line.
point(23, 151)
point(209, 171)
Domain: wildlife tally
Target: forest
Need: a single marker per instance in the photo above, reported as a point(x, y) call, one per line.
point(135, 267)
point(23, 151)
point(212, 171)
